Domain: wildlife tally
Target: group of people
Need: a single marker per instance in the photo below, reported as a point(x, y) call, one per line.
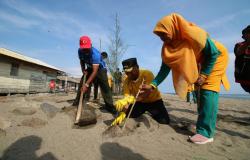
point(194, 58)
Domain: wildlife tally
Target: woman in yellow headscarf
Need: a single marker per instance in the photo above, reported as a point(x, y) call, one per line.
point(193, 58)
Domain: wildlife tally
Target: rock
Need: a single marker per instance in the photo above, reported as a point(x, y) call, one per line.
point(49, 110)
point(88, 117)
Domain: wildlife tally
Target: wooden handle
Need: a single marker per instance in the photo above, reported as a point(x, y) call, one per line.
point(79, 108)
point(132, 107)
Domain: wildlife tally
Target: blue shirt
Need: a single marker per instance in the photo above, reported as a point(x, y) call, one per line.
point(93, 58)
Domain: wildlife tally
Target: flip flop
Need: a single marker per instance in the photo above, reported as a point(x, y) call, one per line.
point(200, 139)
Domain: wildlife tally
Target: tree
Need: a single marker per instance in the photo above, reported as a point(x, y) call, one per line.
point(116, 48)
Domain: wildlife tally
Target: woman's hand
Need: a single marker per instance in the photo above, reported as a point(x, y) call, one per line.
point(201, 80)
point(146, 89)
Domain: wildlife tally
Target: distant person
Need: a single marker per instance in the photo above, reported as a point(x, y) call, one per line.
point(190, 92)
point(52, 86)
point(185, 47)
point(93, 66)
point(152, 104)
point(110, 80)
point(118, 81)
point(242, 60)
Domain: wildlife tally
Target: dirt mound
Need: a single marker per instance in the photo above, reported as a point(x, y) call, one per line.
point(24, 111)
point(2, 132)
point(138, 125)
point(4, 123)
point(34, 123)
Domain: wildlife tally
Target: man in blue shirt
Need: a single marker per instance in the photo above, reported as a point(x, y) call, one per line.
point(93, 65)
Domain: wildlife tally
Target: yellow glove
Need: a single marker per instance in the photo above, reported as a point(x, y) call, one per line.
point(130, 99)
point(119, 119)
point(120, 104)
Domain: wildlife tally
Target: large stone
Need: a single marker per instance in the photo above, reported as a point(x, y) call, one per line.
point(49, 110)
point(88, 117)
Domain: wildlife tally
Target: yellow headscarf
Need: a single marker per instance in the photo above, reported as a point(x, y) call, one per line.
point(183, 52)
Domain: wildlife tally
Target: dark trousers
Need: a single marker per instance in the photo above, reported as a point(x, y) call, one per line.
point(88, 93)
point(156, 109)
point(102, 79)
point(96, 85)
point(188, 97)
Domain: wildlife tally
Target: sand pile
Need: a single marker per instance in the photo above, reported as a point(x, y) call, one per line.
point(139, 125)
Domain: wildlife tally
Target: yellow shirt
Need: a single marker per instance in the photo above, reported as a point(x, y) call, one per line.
point(110, 81)
point(218, 73)
point(132, 87)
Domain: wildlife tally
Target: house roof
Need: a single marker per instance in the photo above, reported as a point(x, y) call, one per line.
point(19, 56)
point(70, 79)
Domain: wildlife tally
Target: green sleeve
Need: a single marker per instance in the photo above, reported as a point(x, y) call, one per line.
point(162, 74)
point(211, 53)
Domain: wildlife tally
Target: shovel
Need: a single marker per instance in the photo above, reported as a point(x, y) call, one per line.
point(89, 116)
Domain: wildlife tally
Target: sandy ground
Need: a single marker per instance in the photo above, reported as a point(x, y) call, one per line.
point(41, 127)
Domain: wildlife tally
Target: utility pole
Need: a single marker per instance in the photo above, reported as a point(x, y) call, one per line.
point(100, 45)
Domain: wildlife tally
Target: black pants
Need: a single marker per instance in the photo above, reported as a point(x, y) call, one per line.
point(96, 85)
point(102, 79)
point(156, 109)
point(88, 93)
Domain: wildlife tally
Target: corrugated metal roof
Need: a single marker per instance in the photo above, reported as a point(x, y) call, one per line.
point(70, 79)
point(18, 56)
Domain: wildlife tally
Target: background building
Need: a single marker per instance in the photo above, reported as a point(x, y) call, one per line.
point(22, 74)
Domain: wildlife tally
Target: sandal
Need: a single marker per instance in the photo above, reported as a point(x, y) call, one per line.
point(200, 139)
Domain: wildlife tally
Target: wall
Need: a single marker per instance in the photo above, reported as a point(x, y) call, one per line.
point(31, 77)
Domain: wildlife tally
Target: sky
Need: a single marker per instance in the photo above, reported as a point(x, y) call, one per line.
point(49, 30)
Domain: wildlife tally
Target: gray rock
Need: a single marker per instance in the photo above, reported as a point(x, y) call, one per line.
point(49, 110)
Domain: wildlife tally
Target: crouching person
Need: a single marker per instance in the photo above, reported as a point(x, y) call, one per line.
point(132, 83)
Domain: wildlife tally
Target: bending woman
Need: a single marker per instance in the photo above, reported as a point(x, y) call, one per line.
point(194, 58)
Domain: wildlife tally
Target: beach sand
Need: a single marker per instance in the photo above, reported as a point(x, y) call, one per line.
point(40, 126)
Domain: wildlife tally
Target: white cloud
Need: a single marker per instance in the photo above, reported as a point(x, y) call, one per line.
point(21, 22)
point(217, 23)
point(60, 24)
point(231, 40)
point(27, 9)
